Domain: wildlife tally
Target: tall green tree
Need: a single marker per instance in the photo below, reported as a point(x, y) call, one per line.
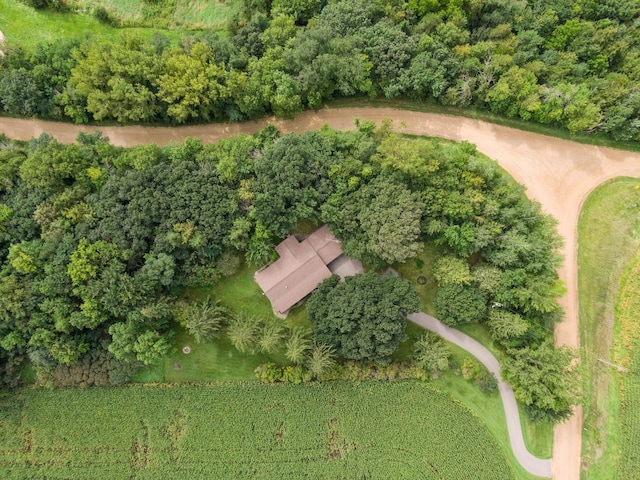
point(544, 379)
point(114, 80)
point(192, 84)
point(379, 222)
point(362, 317)
point(203, 319)
point(430, 352)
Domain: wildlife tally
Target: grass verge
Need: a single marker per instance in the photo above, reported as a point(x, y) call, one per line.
point(613, 207)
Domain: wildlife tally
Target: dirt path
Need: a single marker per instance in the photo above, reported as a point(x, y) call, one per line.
point(534, 465)
point(557, 173)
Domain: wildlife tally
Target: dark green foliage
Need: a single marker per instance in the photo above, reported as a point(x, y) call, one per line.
point(473, 371)
point(96, 241)
point(98, 367)
point(292, 181)
point(572, 66)
point(362, 318)
point(379, 222)
point(19, 93)
point(102, 15)
point(543, 379)
point(457, 305)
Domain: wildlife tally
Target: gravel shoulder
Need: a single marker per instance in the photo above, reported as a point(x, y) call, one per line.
point(557, 173)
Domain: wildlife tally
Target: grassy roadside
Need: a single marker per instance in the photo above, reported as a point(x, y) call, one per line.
point(614, 207)
point(490, 409)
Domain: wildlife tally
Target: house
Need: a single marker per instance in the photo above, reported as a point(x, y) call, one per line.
point(302, 266)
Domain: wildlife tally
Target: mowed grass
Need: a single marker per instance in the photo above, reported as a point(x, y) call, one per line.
point(26, 27)
point(372, 430)
point(215, 14)
point(488, 407)
point(218, 360)
point(608, 238)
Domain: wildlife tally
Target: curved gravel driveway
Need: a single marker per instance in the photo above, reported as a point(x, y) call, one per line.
point(557, 173)
point(534, 465)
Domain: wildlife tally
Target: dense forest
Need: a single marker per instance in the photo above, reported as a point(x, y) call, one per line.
point(574, 64)
point(97, 242)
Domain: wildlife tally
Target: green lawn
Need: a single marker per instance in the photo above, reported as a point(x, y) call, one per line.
point(219, 360)
point(608, 237)
point(374, 430)
point(26, 27)
point(538, 436)
point(422, 266)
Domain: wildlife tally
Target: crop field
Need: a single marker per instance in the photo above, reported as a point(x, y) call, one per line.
point(248, 430)
point(627, 355)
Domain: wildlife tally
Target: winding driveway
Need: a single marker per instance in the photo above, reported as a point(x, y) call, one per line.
point(557, 173)
point(534, 465)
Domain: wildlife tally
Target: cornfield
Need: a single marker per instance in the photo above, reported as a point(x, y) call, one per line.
point(332, 430)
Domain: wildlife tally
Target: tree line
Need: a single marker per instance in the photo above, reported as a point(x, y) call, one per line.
point(574, 64)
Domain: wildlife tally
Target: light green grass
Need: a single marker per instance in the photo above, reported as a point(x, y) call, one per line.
point(241, 293)
point(218, 360)
point(169, 14)
point(214, 14)
point(488, 407)
point(373, 430)
point(213, 361)
point(538, 435)
point(608, 237)
point(26, 27)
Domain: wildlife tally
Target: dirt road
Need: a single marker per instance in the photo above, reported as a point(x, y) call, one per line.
point(557, 173)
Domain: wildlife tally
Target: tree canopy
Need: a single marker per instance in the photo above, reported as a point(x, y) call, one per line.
point(577, 67)
point(98, 242)
point(362, 318)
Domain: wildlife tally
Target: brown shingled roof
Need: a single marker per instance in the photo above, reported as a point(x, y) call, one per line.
point(302, 266)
